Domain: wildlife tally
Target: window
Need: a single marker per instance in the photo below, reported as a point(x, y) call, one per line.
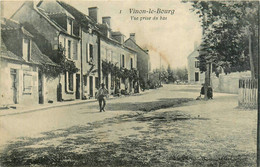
point(131, 63)
point(71, 81)
point(75, 51)
point(69, 49)
point(27, 83)
point(197, 64)
point(112, 82)
point(85, 79)
point(123, 61)
point(196, 76)
point(26, 49)
point(89, 52)
point(96, 82)
point(70, 26)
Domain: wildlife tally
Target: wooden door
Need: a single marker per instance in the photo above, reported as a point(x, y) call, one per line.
point(14, 85)
point(91, 86)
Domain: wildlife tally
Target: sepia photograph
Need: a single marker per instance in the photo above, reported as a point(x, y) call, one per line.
point(96, 83)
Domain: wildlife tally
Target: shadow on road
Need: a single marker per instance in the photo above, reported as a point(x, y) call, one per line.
point(83, 145)
point(145, 106)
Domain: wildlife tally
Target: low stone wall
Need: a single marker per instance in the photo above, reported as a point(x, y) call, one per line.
point(228, 83)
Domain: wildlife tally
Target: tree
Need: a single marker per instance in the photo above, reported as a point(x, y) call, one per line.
point(182, 74)
point(230, 35)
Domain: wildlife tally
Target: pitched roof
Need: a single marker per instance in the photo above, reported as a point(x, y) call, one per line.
point(4, 53)
point(9, 24)
point(37, 57)
point(192, 53)
point(79, 16)
point(129, 39)
point(52, 7)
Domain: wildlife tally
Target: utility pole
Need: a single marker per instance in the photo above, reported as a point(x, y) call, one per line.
point(160, 70)
point(258, 115)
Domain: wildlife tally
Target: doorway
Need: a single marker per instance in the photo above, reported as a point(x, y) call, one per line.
point(91, 86)
point(14, 81)
point(196, 76)
point(40, 87)
point(77, 86)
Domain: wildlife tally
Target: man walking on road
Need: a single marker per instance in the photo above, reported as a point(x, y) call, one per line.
point(101, 95)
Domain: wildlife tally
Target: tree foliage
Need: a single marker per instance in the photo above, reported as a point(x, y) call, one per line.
point(226, 27)
point(170, 75)
point(124, 73)
point(63, 65)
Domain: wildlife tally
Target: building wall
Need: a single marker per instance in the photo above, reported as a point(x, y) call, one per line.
point(192, 69)
point(23, 97)
point(143, 60)
point(50, 89)
point(27, 14)
point(112, 52)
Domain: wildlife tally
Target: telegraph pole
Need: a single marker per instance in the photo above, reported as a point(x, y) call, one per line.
point(160, 70)
point(258, 114)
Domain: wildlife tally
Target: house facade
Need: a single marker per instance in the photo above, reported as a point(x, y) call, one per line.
point(53, 28)
point(85, 28)
point(21, 64)
point(115, 52)
point(194, 74)
point(143, 60)
point(58, 28)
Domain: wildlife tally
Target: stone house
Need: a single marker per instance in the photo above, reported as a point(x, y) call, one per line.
point(21, 61)
point(54, 27)
point(86, 30)
point(143, 60)
point(194, 74)
point(113, 50)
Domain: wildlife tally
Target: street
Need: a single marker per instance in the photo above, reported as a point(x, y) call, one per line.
point(161, 127)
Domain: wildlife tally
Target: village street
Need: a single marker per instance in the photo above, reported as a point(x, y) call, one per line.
point(161, 127)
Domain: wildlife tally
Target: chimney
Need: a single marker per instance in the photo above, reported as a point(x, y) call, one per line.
point(132, 36)
point(93, 13)
point(118, 36)
point(106, 20)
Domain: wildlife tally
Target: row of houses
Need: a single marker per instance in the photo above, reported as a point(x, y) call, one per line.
point(35, 37)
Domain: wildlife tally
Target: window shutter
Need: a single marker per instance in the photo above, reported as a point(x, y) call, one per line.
point(86, 52)
point(75, 50)
point(27, 83)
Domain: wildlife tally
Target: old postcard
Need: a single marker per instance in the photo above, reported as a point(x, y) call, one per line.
point(129, 83)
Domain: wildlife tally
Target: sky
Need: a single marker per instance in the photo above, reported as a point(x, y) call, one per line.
point(170, 40)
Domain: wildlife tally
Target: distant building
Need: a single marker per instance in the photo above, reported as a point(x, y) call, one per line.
point(21, 61)
point(143, 60)
point(194, 74)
